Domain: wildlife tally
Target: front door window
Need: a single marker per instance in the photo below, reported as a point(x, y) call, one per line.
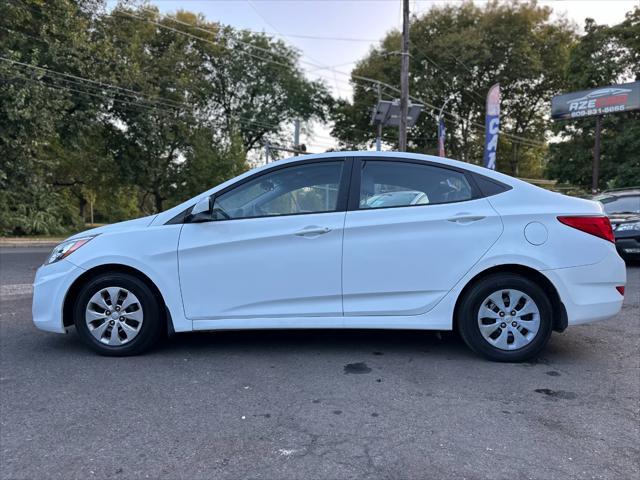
point(310, 188)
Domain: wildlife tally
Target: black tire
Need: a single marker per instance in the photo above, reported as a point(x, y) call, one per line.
point(467, 317)
point(151, 326)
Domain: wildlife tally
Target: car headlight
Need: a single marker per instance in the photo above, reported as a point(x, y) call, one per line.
point(67, 248)
point(624, 227)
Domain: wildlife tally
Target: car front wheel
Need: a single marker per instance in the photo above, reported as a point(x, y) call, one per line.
point(506, 317)
point(117, 314)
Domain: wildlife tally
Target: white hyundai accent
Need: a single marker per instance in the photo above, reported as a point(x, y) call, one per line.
point(343, 240)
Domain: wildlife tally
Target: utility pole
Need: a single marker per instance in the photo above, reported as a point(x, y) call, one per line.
point(441, 152)
point(379, 136)
point(404, 78)
point(296, 134)
point(596, 156)
point(267, 152)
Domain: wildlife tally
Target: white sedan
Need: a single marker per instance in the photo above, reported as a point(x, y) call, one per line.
point(297, 244)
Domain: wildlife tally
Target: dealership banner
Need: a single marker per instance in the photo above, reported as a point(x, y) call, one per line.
point(441, 137)
point(492, 126)
point(597, 101)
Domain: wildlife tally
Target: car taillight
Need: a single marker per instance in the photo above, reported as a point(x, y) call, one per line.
point(598, 226)
point(620, 290)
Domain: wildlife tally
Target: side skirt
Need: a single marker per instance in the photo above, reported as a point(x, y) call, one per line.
point(415, 322)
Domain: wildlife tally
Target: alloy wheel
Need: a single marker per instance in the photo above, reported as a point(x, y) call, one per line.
point(114, 316)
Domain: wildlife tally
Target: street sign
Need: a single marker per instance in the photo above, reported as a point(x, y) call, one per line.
point(388, 113)
point(597, 101)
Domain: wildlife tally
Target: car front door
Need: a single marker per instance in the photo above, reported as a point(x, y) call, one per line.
point(402, 259)
point(272, 247)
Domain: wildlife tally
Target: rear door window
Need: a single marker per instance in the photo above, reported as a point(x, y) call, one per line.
point(385, 184)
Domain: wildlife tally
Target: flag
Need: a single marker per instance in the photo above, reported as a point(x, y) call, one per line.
point(492, 127)
point(441, 137)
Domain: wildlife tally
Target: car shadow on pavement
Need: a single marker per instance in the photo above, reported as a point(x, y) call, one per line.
point(398, 341)
point(210, 344)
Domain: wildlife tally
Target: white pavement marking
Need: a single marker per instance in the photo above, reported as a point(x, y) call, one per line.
point(16, 290)
point(285, 452)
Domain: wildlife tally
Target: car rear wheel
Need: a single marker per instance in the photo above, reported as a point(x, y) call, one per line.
point(506, 318)
point(117, 314)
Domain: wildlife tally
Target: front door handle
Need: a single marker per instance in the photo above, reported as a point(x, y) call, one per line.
point(312, 231)
point(466, 219)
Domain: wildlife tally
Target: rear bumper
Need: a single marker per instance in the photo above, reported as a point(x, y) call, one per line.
point(628, 248)
point(589, 292)
point(49, 289)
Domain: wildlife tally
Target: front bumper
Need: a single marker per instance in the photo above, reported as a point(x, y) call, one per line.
point(589, 292)
point(49, 289)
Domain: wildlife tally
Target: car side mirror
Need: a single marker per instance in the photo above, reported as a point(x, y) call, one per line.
point(201, 211)
point(203, 206)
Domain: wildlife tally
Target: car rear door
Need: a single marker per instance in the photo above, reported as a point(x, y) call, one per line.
point(402, 260)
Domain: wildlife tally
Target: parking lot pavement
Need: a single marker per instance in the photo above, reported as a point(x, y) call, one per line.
point(315, 404)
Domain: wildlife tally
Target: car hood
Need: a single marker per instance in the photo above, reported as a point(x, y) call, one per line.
point(116, 227)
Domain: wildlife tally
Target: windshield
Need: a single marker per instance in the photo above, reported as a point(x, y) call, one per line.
point(627, 204)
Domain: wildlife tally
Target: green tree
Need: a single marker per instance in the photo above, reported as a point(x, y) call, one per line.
point(130, 111)
point(240, 87)
point(207, 164)
point(605, 55)
point(457, 53)
point(37, 111)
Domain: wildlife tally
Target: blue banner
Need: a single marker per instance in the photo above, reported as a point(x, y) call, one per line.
point(492, 127)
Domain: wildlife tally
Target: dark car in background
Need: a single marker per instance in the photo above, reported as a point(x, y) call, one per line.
point(622, 206)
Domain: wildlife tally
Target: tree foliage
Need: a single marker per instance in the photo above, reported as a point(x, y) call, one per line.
point(107, 113)
point(457, 53)
point(130, 111)
point(605, 55)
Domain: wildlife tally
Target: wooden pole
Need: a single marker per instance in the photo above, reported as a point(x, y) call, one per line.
point(404, 78)
point(596, 156)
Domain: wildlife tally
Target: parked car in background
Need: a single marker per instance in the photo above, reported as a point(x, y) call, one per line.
point(622, 206)
point(310, 242)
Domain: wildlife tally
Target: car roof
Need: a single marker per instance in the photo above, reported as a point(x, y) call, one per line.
point(399, 156)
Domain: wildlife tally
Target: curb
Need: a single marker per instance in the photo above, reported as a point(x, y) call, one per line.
point(29, 243)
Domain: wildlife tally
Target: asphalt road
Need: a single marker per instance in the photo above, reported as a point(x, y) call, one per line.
point(328, 404)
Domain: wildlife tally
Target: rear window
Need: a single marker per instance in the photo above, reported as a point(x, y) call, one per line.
point(626, 204)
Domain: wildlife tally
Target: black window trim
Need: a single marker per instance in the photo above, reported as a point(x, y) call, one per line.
point(502, 187)
point(354, 197)
point(341, 204)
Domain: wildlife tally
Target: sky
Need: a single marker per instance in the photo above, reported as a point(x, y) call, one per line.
point(363, 22)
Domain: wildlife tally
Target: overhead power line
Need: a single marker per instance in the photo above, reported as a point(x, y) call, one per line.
point(84, 92)
point(523, 140)
point(266, 20)
point(352, 77)
point(318, 37)
point(434, 109)
point(478, 96)
point(205, 30)
point(120, 90)
point(93, 93)
point(124, 102)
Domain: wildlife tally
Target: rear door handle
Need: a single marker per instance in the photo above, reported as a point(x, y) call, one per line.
point(312, 231)
point(466, 219)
